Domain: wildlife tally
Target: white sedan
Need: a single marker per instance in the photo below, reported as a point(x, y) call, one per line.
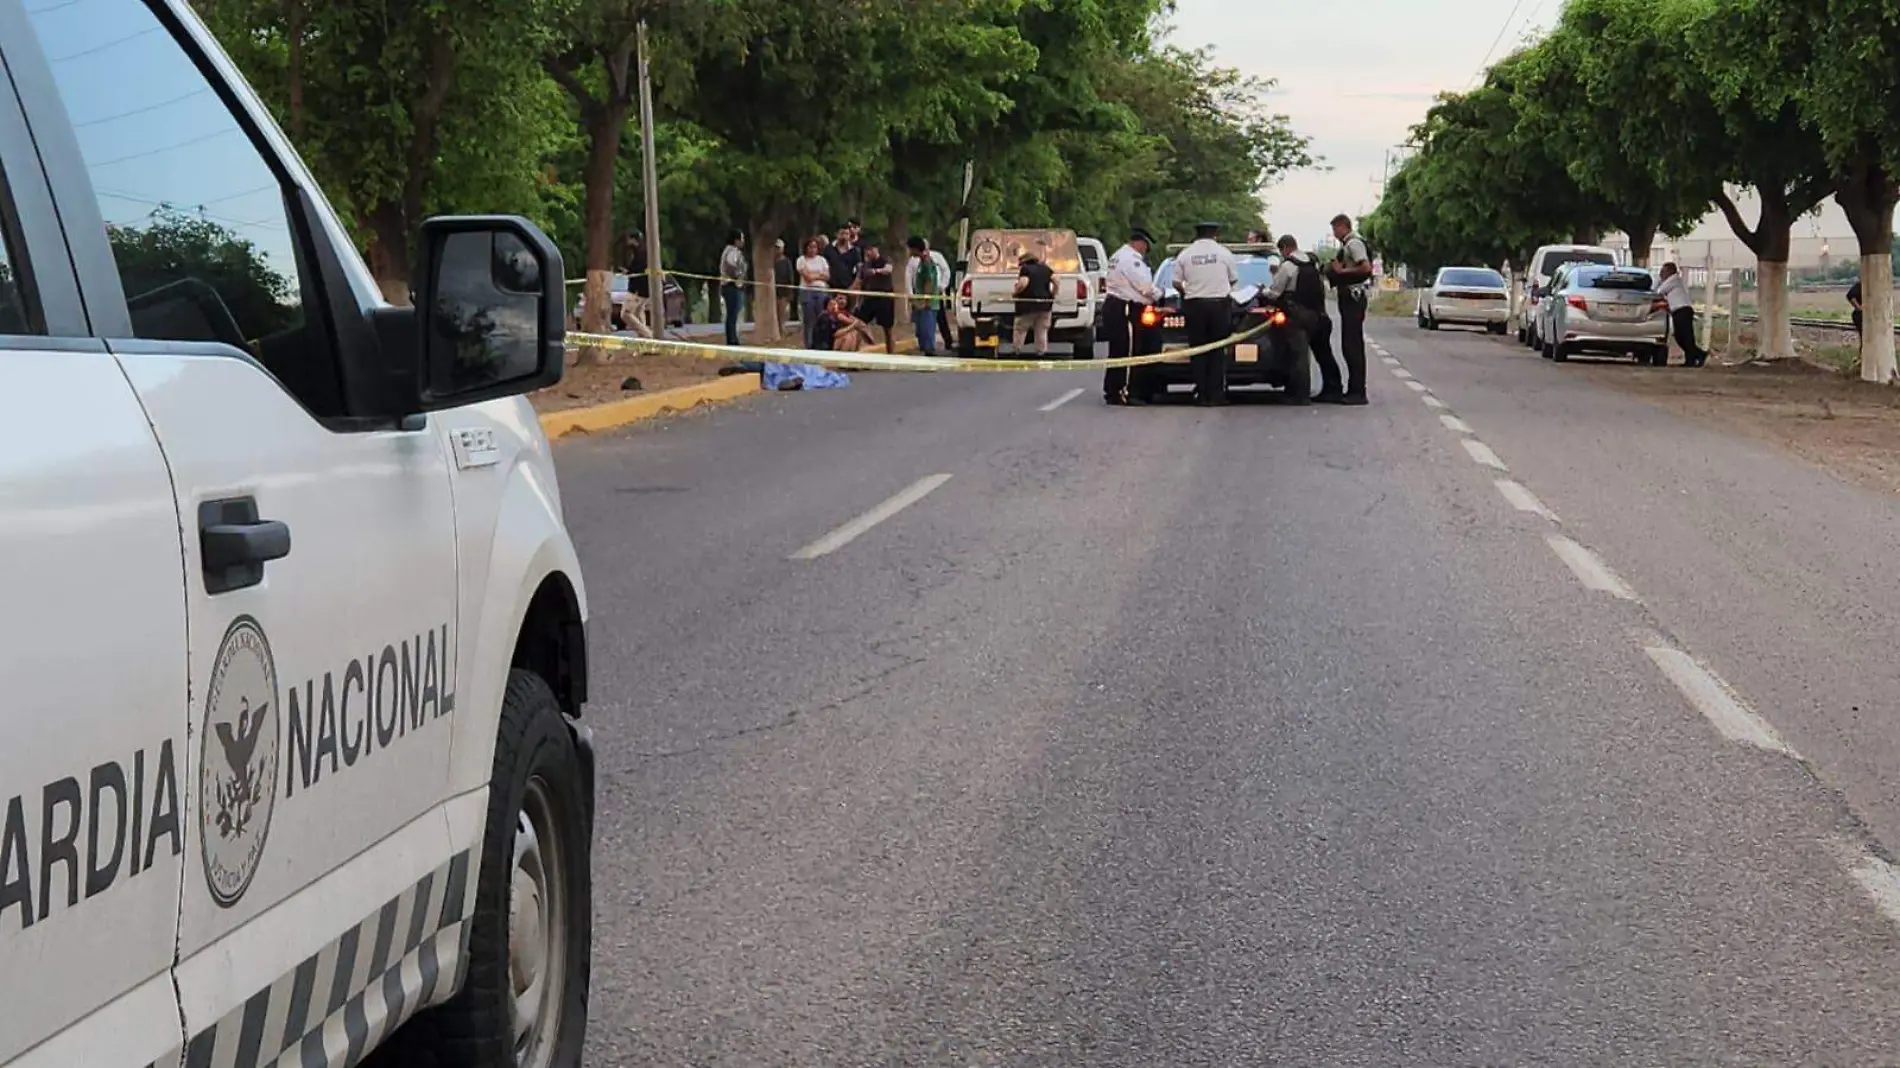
point(1472, 296)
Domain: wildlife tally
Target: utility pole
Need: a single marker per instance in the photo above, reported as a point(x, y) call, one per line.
point(649, 179)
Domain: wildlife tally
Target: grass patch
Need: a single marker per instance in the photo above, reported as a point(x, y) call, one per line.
point(1402, 304)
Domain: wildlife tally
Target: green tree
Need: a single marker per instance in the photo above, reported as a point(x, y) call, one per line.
point(1729, 116)
point(404, 108)
point(1577, 92)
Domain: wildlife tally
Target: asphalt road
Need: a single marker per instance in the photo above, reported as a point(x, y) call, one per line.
point(1255, 735)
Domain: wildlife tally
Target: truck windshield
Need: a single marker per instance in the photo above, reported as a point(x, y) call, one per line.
point(996, 252)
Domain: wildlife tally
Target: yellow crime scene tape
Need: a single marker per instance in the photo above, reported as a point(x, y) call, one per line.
point(879, 361)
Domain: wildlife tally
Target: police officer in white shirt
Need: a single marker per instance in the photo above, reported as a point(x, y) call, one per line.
point(1130, 288)
point(1205, 273)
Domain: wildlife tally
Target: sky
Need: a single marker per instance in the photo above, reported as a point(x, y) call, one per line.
point(1356, 76)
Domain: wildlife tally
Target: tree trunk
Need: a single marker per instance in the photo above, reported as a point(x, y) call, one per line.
point(389, 251)
point(1587, 235)
point(768, 226)
point(897, 250)
point(1642, 235)
point(604, 124)
point(1769, 239)
point(1868, 195)
point(293, 71)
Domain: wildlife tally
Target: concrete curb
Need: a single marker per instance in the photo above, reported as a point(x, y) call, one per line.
point(619, 413)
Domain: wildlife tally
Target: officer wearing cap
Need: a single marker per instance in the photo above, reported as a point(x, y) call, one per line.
point(1205, 273)
point(1130, 288)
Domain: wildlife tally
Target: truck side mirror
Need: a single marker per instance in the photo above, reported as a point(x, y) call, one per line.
point(490, 310)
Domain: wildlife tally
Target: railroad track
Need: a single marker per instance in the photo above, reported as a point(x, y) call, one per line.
point(1837, 325)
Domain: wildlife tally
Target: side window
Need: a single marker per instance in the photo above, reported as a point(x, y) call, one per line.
point(200, 231)
point(15, 311)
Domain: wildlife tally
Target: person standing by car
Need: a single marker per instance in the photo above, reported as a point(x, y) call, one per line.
point(1205, 273)
point(1035, 303)
point(1681, 315)
point(732, 282)
point(1130, 288)
point(1351, 275)
point(1301, 291)
point(925, 278)
point(1854, 302)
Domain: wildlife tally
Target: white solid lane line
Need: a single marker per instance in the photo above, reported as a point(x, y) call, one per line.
point(1877, 877)
point(1717, 703)
point(1431, 401)
point(1523, 500)
point(1456, 425)
point(1416, 385)
point(1482, 453)
point(1060, 401)
point(851, 531)
point(1591, 571)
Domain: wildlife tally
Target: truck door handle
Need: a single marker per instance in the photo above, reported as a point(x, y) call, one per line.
point(234, 544)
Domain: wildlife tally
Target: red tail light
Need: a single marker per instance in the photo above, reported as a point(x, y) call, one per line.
point(1149, 316)
point(1278, 318)
point(1081, 291)
point(1578, 303)
point(1659, 305)
point(969, 289)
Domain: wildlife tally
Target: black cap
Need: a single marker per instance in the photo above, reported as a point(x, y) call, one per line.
point(1203, 229)
point(1138, 234)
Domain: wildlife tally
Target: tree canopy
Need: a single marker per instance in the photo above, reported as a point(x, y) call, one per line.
point(1641, 115)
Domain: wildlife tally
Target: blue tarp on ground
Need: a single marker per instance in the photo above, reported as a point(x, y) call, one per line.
point(774, 376)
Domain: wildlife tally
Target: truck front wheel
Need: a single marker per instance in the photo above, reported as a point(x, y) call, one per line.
point(525, 1000)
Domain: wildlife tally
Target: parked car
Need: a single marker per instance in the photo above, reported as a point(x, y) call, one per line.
point(1095, 267)
point(620, 288)
point(1592, 308)
point(1544, 263)
point(1469, 296)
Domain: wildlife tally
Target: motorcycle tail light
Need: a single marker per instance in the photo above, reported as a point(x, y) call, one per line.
point(1278, 318)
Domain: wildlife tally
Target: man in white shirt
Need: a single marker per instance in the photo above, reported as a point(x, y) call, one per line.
point(1129, 289)
point(1681, 315)
point(1205, 273)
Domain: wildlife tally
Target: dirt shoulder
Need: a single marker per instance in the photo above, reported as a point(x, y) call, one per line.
point(1816, 407)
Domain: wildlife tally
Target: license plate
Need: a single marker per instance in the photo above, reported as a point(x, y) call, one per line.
point(988, 342)
point(1617, 313)
point(1246, 354)
point(1173, 322)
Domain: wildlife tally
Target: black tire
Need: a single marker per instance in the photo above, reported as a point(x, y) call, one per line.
point(476, 1030)
point(1495, 328)
point(1559, 352)
point(966, 343)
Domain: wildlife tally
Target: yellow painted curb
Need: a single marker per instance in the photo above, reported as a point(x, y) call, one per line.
point(619, 413)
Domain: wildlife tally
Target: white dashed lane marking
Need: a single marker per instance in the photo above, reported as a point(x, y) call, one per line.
point(1416, 385)
point(1481, 453)
point(1389, 361)
point(1589, 569)
point(1431, 401)
point(1060, 401)
point(1523, 500)
point(1717, 703)
point(855, 529)
point(1456, 425)
point(1400, 372)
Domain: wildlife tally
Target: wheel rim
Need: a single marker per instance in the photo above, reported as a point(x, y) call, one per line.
point(537, 929)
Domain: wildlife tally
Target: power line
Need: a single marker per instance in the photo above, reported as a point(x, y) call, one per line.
point(1485, 63)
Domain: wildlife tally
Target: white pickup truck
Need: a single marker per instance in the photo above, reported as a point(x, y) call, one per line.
point(295, 650)
point(986, 298)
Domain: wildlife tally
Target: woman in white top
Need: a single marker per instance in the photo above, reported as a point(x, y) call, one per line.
point(1681, 314)
point(814, 274)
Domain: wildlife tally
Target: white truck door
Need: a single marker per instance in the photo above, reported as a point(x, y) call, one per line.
point(319, 552)
point(92, 787)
